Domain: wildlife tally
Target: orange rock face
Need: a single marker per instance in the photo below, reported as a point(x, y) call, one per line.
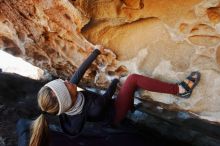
point(218, 56)
point(165, 39)
point(214, 14)
point(47, 34)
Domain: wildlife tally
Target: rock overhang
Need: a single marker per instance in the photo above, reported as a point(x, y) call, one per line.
point(164, 39)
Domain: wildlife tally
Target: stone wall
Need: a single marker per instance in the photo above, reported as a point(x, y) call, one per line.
point(164, 39)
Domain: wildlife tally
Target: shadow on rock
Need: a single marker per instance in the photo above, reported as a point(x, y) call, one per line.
point(18, 94)
point(18, 99)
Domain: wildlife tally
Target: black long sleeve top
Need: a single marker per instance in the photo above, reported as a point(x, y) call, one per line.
point(95, 106)
point(77, 76)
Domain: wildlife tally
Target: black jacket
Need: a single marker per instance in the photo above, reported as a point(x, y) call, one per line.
point(96, 108)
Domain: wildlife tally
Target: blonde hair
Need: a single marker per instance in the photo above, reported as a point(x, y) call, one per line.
point(48, 103)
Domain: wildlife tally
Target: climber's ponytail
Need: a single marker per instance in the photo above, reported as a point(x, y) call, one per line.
point(49, 105)
point(40, 132)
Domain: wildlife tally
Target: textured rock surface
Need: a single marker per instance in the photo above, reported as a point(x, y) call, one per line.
point(163, 39)
point(47, 34)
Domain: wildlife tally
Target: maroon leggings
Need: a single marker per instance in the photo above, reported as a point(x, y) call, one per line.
point(125, 100)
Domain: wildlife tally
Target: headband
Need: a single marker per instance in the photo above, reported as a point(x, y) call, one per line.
point(62, 94)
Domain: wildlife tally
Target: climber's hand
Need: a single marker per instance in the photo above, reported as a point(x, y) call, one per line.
point(100, 48)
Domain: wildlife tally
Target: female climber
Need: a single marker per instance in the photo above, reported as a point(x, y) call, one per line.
point(61, 98)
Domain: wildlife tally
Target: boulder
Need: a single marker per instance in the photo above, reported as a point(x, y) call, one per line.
point(161, 39)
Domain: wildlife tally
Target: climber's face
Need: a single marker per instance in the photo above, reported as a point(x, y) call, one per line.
point(72, 88)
